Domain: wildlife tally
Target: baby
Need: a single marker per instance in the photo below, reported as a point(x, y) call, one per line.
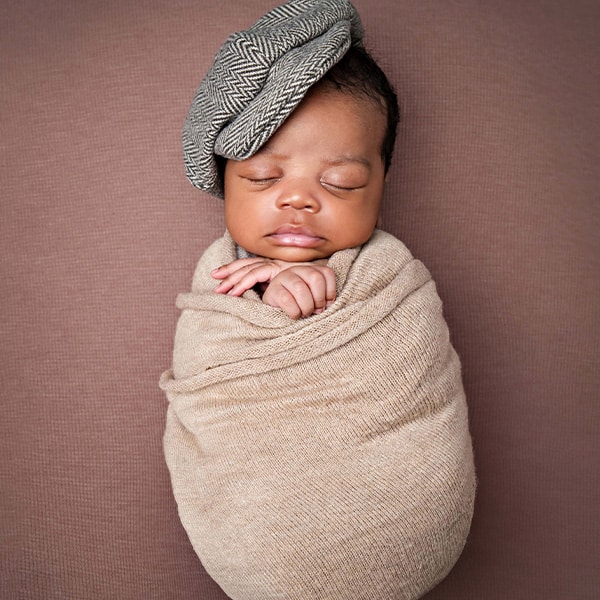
point(317, 434)
point(314, 188)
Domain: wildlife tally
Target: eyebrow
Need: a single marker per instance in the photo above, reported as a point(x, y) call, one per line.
point(338, 160)
point(349, 158)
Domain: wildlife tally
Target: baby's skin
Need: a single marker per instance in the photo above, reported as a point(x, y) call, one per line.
point(299, 289)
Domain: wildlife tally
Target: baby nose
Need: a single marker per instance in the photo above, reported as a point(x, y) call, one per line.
point(298, 196)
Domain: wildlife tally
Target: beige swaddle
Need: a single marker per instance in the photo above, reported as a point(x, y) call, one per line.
point(324, 458)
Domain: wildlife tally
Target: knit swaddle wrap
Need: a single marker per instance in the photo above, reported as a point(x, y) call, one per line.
point(257, 79)
point(328, 457)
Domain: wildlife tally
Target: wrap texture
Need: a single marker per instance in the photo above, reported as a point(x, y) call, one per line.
point(257, 79)
point(328, 457)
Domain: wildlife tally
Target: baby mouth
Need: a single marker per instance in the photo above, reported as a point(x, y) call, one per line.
point(290, 235)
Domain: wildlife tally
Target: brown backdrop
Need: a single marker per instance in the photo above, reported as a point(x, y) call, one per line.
point(494, 186)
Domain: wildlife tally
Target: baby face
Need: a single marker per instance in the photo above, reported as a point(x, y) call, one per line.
point(315, 187)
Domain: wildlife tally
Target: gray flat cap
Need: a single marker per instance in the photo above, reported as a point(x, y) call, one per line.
point(257, 79)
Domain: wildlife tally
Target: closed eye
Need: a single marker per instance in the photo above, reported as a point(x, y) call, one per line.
point(341, 188)
point(261, 182)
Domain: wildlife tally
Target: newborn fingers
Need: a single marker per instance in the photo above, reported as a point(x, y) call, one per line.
point(302, 290)
point(244, 274)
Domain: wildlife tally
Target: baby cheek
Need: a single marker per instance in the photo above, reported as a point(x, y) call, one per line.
point(355, 229)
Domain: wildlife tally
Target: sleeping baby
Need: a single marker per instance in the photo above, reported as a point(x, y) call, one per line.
point(317, 434)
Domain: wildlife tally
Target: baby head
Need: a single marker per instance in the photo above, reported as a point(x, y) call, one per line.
point(315, 186)
point(294, 126)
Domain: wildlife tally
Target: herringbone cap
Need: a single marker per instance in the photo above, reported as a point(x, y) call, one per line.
point(257, 79)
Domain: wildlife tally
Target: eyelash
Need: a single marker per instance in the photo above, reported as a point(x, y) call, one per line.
point(338, 187)
point(262, 181)
point(269, 180)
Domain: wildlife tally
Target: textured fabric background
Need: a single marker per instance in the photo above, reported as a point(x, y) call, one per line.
point(494, 186)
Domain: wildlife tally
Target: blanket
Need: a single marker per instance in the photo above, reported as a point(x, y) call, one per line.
point(329, 457)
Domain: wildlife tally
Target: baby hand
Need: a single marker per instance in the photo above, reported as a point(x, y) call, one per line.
point(299, 289)
point(302, 290)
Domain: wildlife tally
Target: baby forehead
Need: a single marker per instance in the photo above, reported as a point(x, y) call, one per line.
point(336, 107)
point(332, 117)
